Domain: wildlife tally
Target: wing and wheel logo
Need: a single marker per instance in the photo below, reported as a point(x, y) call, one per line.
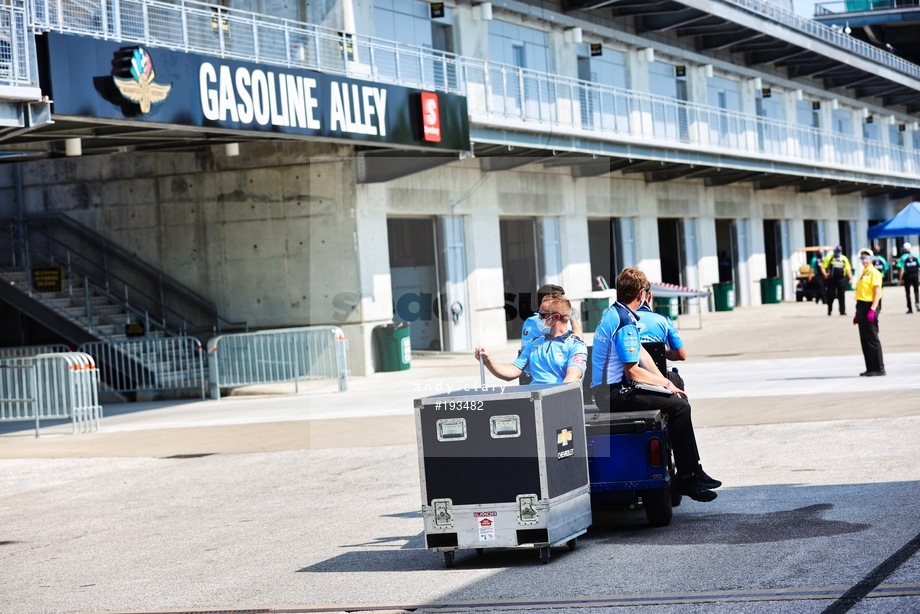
point(140, 88)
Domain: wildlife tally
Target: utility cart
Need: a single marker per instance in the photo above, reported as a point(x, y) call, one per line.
point(503, 468)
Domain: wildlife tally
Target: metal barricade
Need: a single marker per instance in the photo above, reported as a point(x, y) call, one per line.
point(282, 355)
point(32, 350)
point(149, 364)
point(51, 387)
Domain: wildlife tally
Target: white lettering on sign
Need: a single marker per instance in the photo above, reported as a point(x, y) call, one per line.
point(280, 99)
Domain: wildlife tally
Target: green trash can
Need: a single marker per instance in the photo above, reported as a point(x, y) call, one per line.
point(669, 307)
point(592, 310)
point(394, 349)
point(771, 290)
point(723, 295)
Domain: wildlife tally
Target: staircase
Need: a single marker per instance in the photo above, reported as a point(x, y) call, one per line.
point(95, 286)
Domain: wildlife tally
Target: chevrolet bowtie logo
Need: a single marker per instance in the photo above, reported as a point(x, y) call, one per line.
point(564, 437)
point(141, 88)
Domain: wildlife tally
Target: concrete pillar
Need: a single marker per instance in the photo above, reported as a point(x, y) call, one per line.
point(637, 63)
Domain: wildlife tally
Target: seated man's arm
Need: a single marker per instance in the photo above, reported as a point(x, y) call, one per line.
point(577, 362)
point(676, 350)
point(500, 370)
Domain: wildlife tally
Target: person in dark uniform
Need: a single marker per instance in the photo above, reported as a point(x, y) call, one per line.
point(837, 272)
point(554, 356)
point(909, 275)
point(656, 328)
point(616, 370)
point(818, 275)
point(879, 262)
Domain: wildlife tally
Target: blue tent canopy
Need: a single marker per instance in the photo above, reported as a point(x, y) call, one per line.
point(905, 223)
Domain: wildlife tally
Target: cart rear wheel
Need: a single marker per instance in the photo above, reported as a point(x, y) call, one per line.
point(657, 505)
point(572, 544)
point(449, 559)
point(544, 555)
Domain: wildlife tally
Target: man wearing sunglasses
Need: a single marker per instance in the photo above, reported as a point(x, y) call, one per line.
point(620, 368)
point(555, 355)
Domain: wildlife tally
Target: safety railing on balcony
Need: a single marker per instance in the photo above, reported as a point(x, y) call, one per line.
point(197, 27)
point(497, 94)
point(539, 102)
point(15, 36)
point(836, 37)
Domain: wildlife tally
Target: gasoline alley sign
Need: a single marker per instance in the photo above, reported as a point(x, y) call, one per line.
point(108, 80)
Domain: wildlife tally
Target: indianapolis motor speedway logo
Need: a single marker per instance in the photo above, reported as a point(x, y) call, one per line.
point(140, 88)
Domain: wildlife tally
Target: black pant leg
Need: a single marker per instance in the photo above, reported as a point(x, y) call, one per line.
point(910, 306)
point(841, 295)
point(680, 424)
point(868, 338)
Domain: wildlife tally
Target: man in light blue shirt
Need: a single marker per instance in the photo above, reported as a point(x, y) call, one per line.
point(554, 355)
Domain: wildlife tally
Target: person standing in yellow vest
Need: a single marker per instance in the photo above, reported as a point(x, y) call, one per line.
point(837, 273)
point(868, 306)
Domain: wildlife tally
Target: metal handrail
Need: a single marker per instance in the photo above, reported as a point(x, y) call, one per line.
point(827, 34)
point(108, 254)
point(539, 101)
point(15, 41)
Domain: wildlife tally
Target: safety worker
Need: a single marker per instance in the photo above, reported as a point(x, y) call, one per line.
point(880, 263)
point(619, 372)
point(837, 272)
point(556, 355)
point(909, 275)
point(868, 307)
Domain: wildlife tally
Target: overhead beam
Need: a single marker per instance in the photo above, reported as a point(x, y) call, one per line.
point(506, 163)
point(727, 178)
point(599, 167)
point(662, 22)
point(815, 185)
point(669, 174)
point(769, 57)
point(776, 181)
point(847, 188)
point(713, 42)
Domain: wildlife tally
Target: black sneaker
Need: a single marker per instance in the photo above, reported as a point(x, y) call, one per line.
point(696, 491)
point(876, 373)
point(706, 480)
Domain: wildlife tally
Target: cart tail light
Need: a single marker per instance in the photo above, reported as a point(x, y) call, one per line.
point(443, 513)
point(654, 452)
point(527, 509)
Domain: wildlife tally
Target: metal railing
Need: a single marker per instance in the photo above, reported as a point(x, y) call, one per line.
point(539, 102)
point(211, 29)
point(32, 350)
point(283, 355)
point(860, 6)
point(836, 37)
point(51, 387)
point(15, 44)
point(148, 365)
point(144, 291)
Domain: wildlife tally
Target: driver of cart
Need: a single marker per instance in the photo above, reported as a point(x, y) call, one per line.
point(618, 369)
point(556, 355)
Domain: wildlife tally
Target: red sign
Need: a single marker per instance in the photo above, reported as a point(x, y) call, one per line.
point(431, 117)
point(485, 522)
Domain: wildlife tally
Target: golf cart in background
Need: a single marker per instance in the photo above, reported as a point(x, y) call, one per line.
point(808, 284)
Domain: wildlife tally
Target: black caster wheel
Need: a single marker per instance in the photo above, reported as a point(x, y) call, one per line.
point(572, 544)
point(544, 555)
point(449, 559)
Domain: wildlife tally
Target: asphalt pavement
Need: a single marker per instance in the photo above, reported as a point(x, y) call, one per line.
point(274, 501)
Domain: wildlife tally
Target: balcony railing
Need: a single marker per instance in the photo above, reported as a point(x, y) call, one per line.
point(498, 95)
point(827, 34)
point(15, 54)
